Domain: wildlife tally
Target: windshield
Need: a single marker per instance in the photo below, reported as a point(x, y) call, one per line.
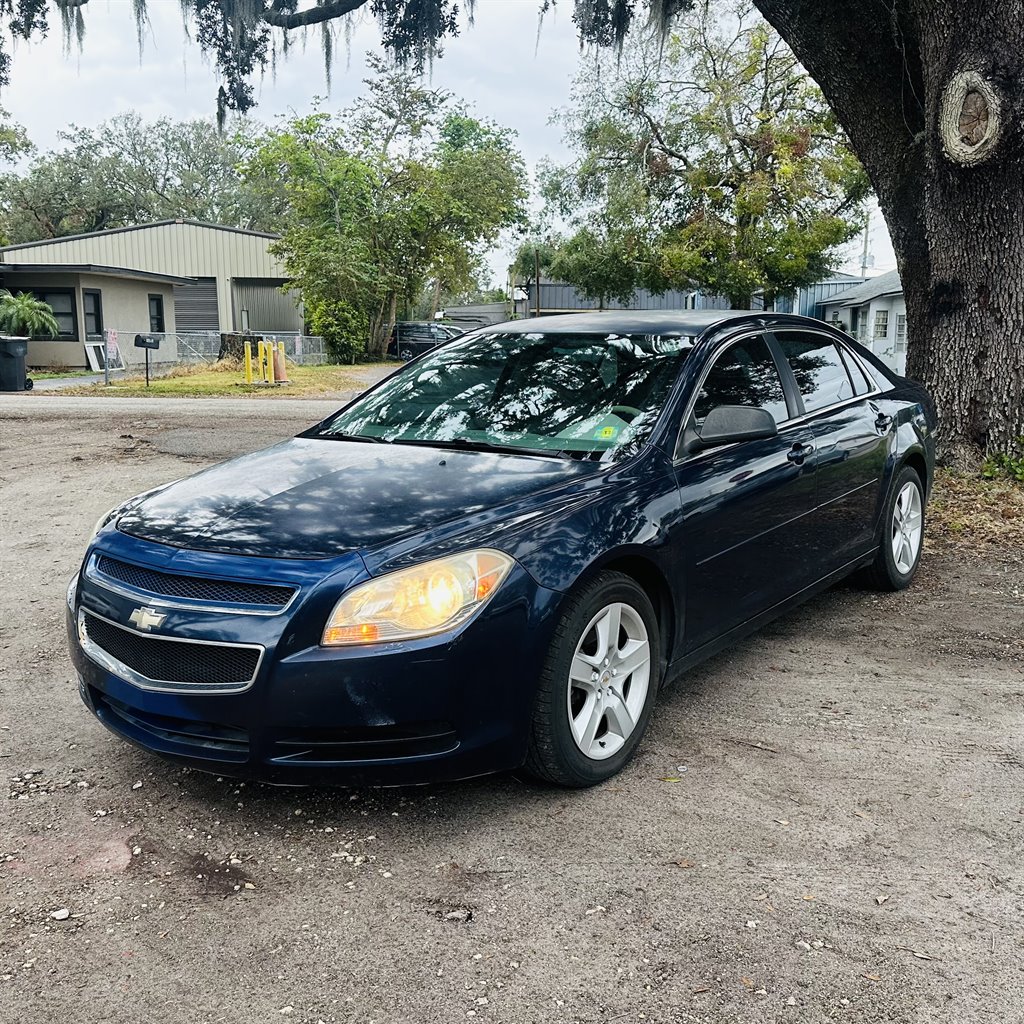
point(585, 395)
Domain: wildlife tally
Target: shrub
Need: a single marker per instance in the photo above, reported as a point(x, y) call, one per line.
point(1006, 465)
point(343, 328)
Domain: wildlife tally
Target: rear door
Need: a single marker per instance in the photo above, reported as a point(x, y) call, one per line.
point(851, 440)
point(744, 507)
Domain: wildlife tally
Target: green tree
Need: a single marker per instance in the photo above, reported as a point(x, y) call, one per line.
point(929, 93)
point(708, 161)
point(24, 314)
point(401, 188)
point(130, 171)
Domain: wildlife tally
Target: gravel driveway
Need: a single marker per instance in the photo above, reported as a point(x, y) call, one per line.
point(824, 824)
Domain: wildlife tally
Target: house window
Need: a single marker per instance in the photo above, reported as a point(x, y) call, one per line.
point(881, 323)
point(901, 332)
point(63, 306)
point(93, 309)
point(156, 314)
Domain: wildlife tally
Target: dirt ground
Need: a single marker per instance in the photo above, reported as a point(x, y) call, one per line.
point(824, 824)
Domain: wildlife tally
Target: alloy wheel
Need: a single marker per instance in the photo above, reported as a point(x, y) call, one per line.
point(907, 522)
point(608, 680)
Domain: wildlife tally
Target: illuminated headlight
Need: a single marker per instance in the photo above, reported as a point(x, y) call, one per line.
point(426, 599)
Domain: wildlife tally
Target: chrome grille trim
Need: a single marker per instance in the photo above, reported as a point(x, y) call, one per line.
point(107, 661)
point(100, 579)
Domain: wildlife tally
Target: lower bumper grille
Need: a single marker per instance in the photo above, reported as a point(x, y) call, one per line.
point(157, 662)
point(175, 735)
point(369, 743)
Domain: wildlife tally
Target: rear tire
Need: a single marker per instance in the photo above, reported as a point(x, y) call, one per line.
point(903, 522)
point(406, 355)
point(598, 686)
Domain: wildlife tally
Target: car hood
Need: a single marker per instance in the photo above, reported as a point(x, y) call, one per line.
point(320, 498)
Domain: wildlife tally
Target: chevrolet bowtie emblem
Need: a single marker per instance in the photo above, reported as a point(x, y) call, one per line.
point(146, 618)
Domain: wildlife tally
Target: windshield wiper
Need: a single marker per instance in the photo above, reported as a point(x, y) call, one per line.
point(336, 435)
point(466, 445)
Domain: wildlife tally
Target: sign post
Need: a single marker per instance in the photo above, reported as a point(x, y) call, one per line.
point(149, 343)
point(109, 345)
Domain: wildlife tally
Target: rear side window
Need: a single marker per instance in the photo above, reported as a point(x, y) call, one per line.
point(744, 374)
point(818, 367)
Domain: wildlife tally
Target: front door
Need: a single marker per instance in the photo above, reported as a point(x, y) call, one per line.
point(744, 508)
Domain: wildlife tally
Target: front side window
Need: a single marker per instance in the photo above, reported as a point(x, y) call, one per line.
point(818, 367)
point(156, 314)
point(586, 395)
point(744, 374)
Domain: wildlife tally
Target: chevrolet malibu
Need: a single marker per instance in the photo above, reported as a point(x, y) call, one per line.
point(496, 557)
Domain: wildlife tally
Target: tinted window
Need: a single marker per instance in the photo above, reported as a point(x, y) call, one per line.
point(860, 383)
point(578, 393)
point(818, 368)
point(744, 374)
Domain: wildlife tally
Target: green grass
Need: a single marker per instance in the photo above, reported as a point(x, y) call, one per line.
point(226, 380)
point(59, 374)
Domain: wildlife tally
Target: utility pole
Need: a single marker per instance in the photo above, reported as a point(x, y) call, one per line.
point(864, 254)
point(536, 280)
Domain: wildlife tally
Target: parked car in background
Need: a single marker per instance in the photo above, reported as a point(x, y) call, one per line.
point(496, 557)
point(412, 338)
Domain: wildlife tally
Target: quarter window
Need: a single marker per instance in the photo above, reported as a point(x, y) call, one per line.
point(818, 368)
point(156, 314)
point(744, 374)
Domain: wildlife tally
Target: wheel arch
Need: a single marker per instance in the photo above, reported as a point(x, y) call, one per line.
point(651, 579)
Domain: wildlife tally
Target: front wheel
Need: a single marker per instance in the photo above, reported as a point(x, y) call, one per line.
point(899, 550)
point(597, 689)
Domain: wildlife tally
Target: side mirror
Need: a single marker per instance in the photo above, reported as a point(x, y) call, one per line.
point(727, 424)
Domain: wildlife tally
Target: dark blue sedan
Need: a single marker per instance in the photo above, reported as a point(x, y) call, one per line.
point(496, 557)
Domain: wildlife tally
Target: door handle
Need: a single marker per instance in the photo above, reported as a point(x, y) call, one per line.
point(799, 452)
point(882, 422)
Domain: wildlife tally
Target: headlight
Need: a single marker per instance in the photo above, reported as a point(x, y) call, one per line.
point(123, 506)
point(426, 599)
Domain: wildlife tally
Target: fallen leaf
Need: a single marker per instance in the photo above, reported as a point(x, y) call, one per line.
point(748, 982)
point(862, 814)
point(871, 977)
point(922, 956)
point(697, 991)
point(669, 778)
point(781, 821)
point(808, 897)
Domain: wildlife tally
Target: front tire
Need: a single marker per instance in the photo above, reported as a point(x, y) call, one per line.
point(598, 685)
point(899, 549)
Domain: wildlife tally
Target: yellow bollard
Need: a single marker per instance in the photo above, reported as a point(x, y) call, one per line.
point(248, 363)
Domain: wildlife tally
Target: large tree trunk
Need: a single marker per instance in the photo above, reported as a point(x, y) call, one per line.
point(908, 90)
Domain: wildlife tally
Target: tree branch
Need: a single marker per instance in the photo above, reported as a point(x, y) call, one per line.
point(276, 16)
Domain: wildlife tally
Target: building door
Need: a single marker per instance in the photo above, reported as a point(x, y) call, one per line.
point(195, 306)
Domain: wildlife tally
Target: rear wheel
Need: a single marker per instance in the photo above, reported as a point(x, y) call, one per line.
point(597, 689)
point(406, 354)
point(899, 550)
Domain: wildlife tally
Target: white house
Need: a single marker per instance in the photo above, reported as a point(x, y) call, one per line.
point(875, 313)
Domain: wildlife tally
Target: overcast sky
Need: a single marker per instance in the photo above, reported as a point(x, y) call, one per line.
point(501, 66)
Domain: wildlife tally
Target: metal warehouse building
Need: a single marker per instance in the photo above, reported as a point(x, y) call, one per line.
point(169, 276)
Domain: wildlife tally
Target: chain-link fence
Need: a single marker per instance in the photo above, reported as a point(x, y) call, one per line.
point(193, 347)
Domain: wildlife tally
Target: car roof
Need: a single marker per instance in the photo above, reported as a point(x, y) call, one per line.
point(642, 321)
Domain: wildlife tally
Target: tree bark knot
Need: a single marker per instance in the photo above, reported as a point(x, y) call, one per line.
point(970, 118)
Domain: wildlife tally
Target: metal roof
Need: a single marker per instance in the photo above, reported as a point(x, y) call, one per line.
point(91, 268)
point(875, 288)
point(136, 227)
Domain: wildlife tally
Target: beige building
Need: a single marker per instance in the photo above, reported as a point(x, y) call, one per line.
point(170, 277)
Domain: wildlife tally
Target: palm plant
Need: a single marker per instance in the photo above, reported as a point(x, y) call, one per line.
point(24, 314)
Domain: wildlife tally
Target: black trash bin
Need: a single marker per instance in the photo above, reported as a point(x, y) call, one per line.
point(12, 363)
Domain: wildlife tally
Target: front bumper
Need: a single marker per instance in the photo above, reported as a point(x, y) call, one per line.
point(442, 708)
